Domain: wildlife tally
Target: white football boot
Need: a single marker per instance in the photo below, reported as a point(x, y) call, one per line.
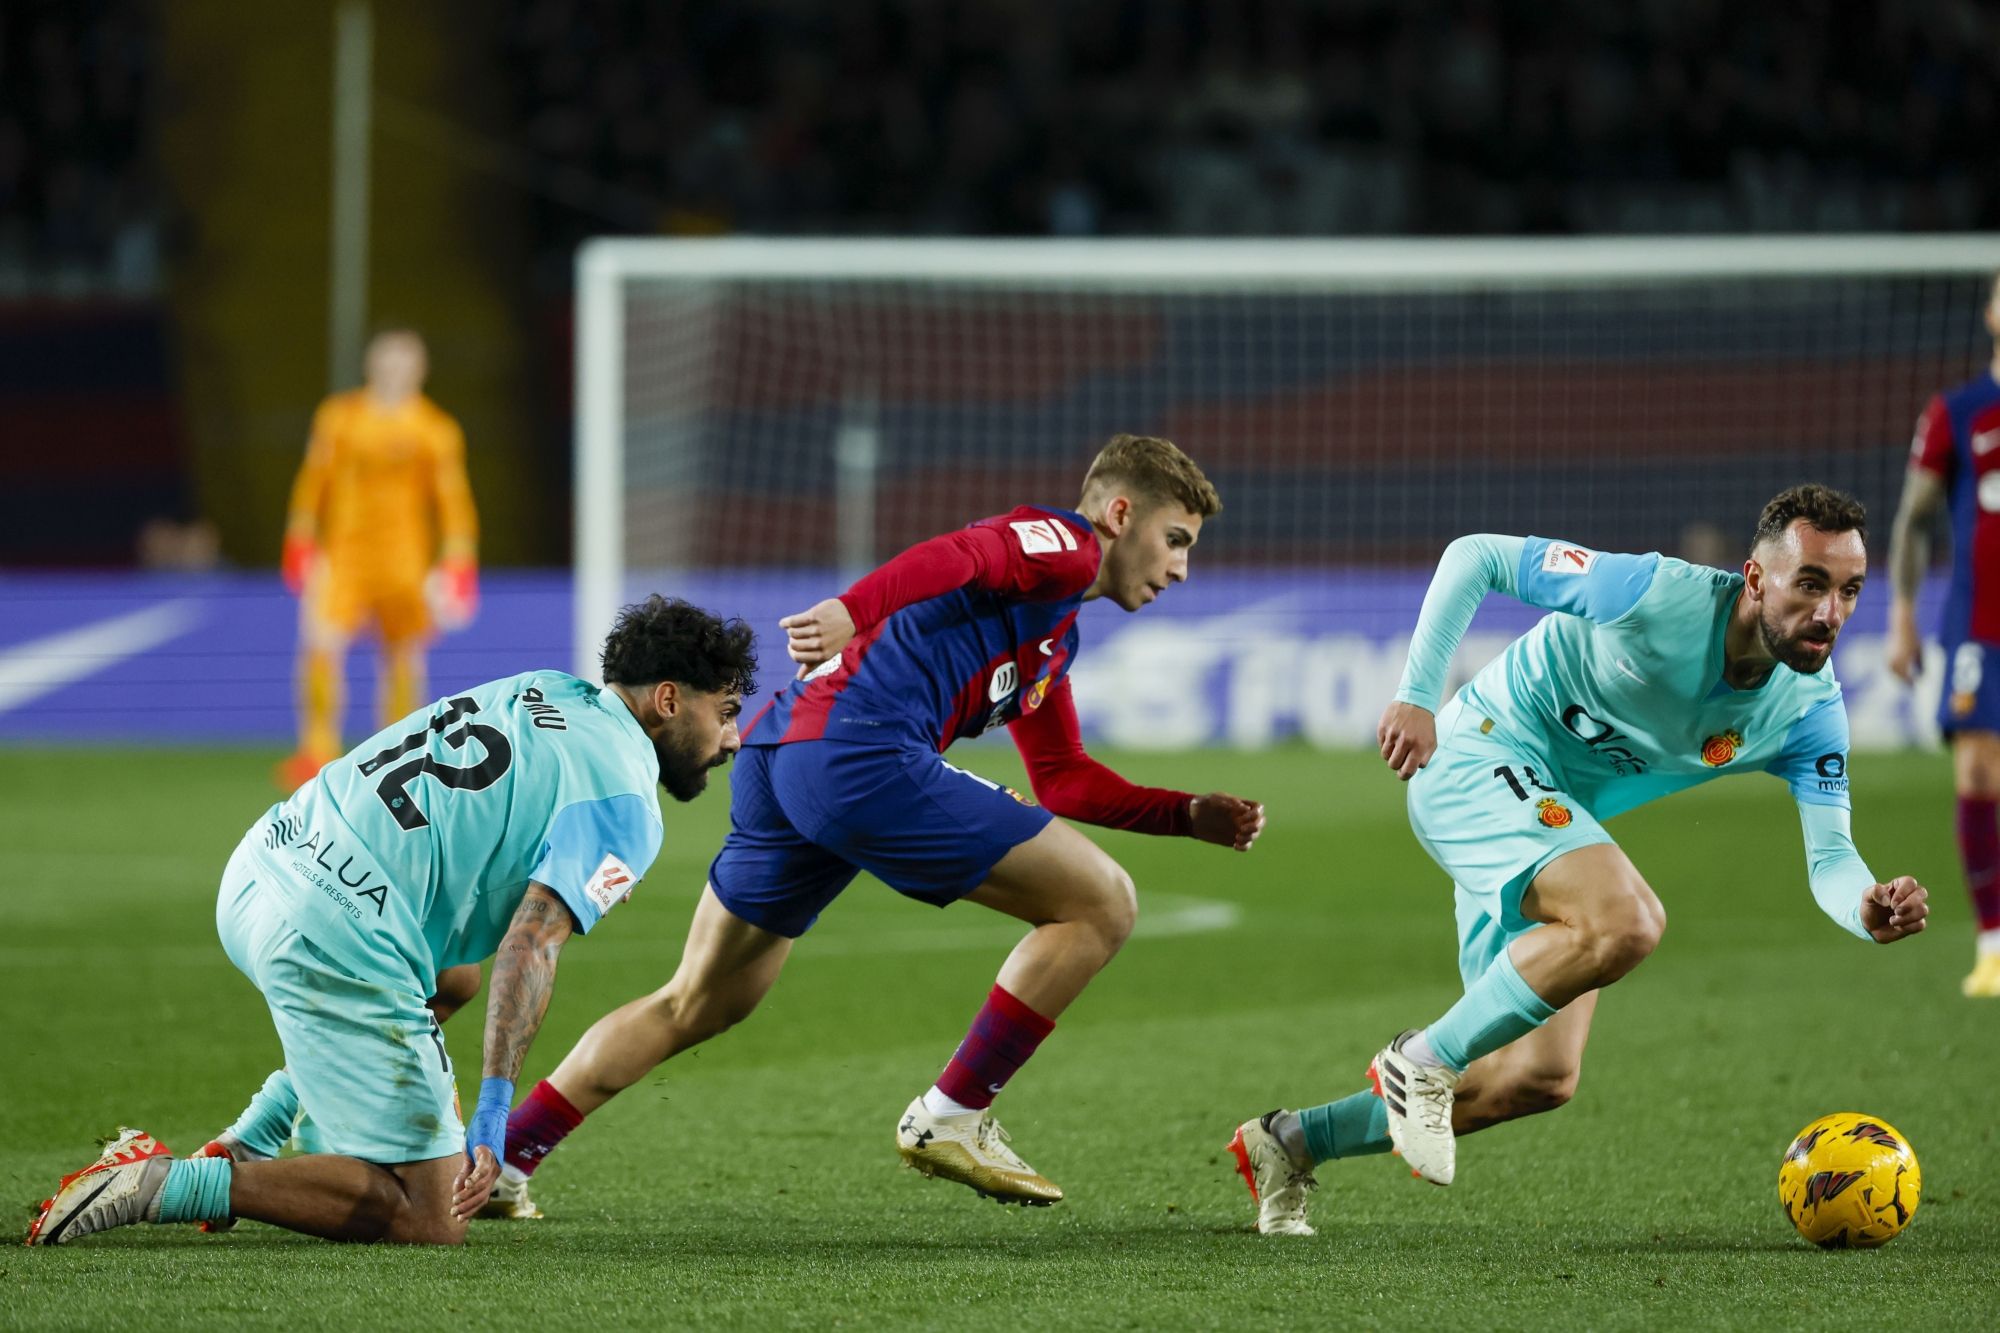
point(1419, 1099)
point(509, 1201)
point(971, 1149)
point(1276, 1182)
point(116, 1190)
point(1983, 982)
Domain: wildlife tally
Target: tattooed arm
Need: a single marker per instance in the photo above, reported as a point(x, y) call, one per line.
point(1909, 556)
point(524, 972)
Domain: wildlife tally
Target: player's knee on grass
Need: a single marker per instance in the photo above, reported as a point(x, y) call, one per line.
point(387, 1209)
point(423, 1193)
point(443, 1229)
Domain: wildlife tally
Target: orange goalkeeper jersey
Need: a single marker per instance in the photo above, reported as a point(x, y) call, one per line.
point(383, 490)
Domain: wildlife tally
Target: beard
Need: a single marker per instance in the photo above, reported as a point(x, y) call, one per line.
point(683, 765)
point(1790, 648)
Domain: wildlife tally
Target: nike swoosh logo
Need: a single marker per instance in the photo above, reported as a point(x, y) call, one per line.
point(55, 1237)
point(1047, 651)
point(1626, 667)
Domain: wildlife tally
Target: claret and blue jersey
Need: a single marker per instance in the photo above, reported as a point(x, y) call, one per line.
point(958, 664)
point(843, 771)
point(1958, 438)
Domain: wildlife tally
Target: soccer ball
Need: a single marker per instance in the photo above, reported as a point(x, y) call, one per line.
point(1849, 1179)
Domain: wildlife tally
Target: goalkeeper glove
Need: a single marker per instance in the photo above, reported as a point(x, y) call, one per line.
point(456, 592)
point(297, 562)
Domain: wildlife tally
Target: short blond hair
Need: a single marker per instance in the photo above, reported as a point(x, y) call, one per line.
point(1155, 469)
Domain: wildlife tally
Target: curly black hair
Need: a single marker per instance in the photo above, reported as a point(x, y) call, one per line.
point(1823, 507)
point(665, 638)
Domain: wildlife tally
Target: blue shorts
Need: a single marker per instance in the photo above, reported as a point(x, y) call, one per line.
point(1970, 700)
point(368, 1061)
point(1491, 830)
point(805, 818)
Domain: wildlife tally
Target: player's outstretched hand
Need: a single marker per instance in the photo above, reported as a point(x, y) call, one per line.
point(1408, 736)
point(811, 637)
point(475, 1182)
point(1891, 911)
point(1226, 821)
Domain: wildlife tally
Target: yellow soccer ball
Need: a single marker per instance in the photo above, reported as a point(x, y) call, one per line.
point(1849, 1179)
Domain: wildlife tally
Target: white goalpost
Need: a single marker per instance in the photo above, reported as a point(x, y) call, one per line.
point(786, 405)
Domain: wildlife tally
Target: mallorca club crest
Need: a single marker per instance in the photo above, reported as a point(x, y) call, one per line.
point(1719, 750)
point(1552, 813)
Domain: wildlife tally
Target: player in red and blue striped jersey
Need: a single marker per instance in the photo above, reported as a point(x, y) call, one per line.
point(844, 772)
point(1955, 464)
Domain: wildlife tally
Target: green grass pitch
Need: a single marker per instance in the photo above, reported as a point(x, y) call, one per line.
point(753, 1184)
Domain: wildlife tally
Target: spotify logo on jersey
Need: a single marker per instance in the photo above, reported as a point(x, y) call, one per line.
point(1004, 682)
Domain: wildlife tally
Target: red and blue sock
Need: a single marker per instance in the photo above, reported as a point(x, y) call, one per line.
point(544, 1119)
point(1001, 1039)
point(1979, 850)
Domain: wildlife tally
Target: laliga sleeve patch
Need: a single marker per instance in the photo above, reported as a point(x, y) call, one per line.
point(610, 884)
point(1562, 559)
point(1043, 536)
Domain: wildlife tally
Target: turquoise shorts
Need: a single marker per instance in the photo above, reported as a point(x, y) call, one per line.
point(1490, 812)
point(368, 1060)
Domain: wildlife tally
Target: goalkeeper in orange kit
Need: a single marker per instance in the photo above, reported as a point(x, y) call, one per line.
point(381, 530)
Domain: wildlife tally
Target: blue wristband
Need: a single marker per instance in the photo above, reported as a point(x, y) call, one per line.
point(489, 1117)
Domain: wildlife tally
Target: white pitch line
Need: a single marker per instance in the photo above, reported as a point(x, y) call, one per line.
point(42, 666)
point(1161, 916)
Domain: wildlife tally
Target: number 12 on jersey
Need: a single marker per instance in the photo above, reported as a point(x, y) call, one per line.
point(394, 788)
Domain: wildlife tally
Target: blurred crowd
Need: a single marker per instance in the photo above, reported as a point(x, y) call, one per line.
point(1262, 116)
point(1114, 116)
point(79, 196)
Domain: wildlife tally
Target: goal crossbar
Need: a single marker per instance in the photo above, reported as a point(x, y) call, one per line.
point(606, 267)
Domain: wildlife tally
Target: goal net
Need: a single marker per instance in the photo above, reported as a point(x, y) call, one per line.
point(781, 414)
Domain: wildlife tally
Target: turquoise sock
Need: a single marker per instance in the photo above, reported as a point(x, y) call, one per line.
point(266, 1124)
point(1354, 1126)
point(196, 1190)
point(1496, 1009)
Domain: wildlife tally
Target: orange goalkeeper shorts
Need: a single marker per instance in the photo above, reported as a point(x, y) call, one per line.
point(344, 604)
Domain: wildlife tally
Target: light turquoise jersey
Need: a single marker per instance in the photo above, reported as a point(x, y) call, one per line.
point(411, 853)
point(1622, 694)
